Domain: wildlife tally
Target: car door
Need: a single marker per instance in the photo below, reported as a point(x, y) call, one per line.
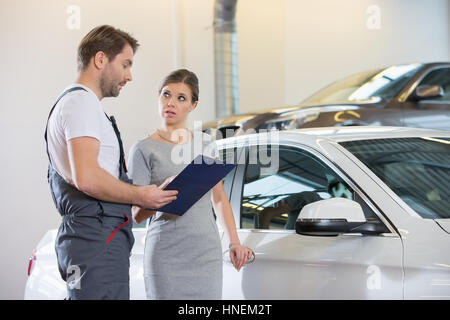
point(434, 112)
point(266, 199)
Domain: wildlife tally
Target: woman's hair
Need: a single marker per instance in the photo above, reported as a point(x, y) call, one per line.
point(103, 38)
point(182, 76)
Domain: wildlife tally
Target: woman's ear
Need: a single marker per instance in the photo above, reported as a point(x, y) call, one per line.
point(194, 105)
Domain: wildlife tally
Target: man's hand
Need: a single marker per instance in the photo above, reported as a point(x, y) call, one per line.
point(153, 197)
point(166, 182)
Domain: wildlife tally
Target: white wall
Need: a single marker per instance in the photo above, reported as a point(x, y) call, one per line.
point(287, 49)
point(261, 29)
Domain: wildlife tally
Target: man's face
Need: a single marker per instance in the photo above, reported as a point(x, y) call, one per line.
point(117, 73)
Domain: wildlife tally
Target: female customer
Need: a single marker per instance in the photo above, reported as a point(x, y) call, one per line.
point(183, 255)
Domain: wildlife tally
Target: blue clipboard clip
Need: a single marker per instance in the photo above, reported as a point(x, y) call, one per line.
point(200, 176)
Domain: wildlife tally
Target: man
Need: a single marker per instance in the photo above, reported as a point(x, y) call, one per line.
point(87, 172)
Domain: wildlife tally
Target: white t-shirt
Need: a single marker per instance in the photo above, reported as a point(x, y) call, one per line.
point(80, 114)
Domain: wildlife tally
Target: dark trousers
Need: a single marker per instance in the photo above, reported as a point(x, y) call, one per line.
point(94, 256)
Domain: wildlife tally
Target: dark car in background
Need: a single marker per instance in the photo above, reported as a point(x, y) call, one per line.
point(411, 95)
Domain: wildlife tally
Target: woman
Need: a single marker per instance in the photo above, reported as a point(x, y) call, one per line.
point(183, 254)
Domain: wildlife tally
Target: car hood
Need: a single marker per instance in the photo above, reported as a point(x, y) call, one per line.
point(444, 224)
point(306, 104)
point(266, 114)
point(230, 120)
point(310, 109)
point(345, 103)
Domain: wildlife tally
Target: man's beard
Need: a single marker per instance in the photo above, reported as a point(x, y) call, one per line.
point(109, 88)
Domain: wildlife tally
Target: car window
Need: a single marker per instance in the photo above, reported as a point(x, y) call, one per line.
point(416, 169)
point(273, 195)
point(369, 85)
point(440, 77)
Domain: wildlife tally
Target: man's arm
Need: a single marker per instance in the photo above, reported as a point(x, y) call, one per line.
point(91, 179)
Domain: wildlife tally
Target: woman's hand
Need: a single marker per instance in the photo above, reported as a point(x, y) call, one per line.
point(239, 255)
point(140, 215)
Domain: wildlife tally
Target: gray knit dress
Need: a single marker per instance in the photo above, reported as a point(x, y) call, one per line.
point(182, 255)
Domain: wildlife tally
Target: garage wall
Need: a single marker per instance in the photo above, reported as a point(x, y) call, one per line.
point(261, 27)
point(287, 49)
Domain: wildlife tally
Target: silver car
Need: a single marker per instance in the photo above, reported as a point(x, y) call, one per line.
point(330, 213)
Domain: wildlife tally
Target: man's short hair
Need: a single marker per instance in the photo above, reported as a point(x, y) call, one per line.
point(103, 38)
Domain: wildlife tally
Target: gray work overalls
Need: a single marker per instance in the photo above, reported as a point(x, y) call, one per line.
point(95, 239)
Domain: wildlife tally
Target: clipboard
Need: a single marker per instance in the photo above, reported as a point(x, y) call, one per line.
point(194, 182)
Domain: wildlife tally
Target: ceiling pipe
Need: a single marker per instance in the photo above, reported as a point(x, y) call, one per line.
point(225, 58)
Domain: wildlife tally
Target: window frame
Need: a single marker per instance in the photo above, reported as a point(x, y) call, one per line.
point(409, 95)
point(228, 181)
point(238, 184)
point(433, 100)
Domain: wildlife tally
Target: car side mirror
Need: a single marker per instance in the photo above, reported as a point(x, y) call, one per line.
point(428, 92)
point(330, 217)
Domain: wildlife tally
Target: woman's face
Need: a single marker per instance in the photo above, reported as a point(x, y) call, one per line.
point(175, 103)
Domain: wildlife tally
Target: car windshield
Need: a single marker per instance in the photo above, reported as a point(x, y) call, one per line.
point(416, 169)
point(369, 85)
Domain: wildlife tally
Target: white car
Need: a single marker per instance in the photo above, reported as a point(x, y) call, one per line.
point(330, 213)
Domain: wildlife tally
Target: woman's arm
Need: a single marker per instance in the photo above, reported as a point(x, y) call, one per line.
point(239, 254)
point(140, 215)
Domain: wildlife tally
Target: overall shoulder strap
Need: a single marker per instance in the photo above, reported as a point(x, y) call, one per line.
point(122, 164)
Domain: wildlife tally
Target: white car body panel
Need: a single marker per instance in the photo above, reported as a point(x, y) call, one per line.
point(410, 262)
point(292, 266)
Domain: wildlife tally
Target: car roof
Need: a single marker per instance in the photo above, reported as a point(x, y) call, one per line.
point(338, 134)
